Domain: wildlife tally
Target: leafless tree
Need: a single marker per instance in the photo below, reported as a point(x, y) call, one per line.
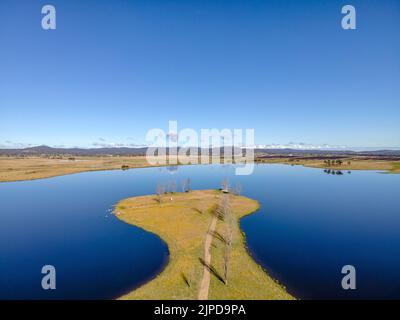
point(227, 251)
point(225, 184)
point(159, 191)
point(226, 206)
point(238, 188)
point(228, 245)
point(191, 277)
point(183, 183)
point(218, 212)
point(188, 185)
point(222, 209)
point(173, 186)
point(229, 225)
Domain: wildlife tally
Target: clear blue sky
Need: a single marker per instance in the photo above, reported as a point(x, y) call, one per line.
point(114, 69)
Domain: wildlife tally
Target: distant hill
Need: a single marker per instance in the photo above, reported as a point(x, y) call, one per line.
point(125, 151)
point(45, 150)
point(329, 152)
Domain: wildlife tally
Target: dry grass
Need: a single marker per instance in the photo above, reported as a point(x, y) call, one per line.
point(30, 168)
point(16, 169)
point(183, 224)
point(355, 164)
point(246, 279)
point(396, 167)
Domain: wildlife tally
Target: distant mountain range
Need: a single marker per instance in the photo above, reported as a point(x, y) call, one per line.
point(125, 151)
point(45, 150)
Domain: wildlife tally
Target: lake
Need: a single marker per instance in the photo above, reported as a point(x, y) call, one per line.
point(309, 226)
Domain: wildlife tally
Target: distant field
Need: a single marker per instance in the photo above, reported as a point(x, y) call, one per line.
point(182, 220)
point(35, 167)
point(396, 167)
point(16, 169)
point(347, 163)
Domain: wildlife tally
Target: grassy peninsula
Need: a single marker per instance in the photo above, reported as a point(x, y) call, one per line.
point(190, 222)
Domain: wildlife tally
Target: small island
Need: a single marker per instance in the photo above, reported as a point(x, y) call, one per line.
point(208, 258)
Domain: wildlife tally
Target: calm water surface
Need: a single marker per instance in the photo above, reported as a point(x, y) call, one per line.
point(310, 225)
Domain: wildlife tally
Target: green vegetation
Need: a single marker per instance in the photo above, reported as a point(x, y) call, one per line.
point(333, 162)
point(396, 167)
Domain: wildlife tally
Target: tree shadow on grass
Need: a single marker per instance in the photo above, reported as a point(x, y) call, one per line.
point(212, 269)
point(197, 210)
point(218, 236)
point(185, 279)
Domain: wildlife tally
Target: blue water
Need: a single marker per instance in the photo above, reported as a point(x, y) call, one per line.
point(309, 226)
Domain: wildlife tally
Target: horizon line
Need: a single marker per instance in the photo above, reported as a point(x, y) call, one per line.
point(259, 146)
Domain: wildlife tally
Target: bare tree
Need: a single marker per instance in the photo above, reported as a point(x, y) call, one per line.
point(225, 184)
point(238, 188)
point(188, 185)
point(183, 183)
point(229, 225)
point(226, 206)
point(173, 186)
point(227, 252)
point(159, 191)
point(222, 209)
point(191, 277)
point(218, 212)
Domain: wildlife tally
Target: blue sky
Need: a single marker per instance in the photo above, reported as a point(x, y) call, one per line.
point(112, 70)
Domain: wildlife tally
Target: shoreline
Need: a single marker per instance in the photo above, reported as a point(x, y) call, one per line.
point(156, 274)
point(35, 168)
point(250, 253)
point(137, 207)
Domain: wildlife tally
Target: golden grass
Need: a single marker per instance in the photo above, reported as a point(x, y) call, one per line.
point(30, 168)
point(16, 169)
point(183, 224)
point(355, 164)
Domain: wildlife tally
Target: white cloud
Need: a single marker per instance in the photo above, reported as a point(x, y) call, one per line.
point(300, 146)
point(14, 145)
point(116, 145)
